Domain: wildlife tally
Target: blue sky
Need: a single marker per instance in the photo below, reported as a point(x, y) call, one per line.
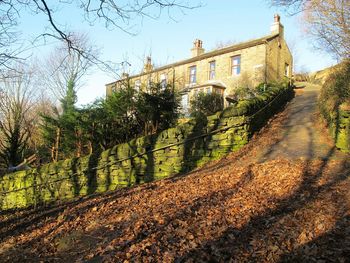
point(169, 38)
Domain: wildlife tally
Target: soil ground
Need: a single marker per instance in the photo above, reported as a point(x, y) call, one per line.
point(284, 197)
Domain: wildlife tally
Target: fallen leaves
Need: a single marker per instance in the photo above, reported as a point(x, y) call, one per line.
point(230, 210)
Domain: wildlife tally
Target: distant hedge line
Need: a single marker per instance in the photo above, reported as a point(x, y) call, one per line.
point(145, 159)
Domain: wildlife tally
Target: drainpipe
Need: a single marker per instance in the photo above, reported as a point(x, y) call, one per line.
point(265, 73)
point(173, 80)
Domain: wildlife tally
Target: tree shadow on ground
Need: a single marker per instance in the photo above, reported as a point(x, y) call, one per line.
point(139, 233)
point(333, 245)
point(237, 242)
point(192, 145)
point(268, 227)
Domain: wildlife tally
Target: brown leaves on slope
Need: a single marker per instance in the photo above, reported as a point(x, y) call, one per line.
point(263, 212)
point(230, 210)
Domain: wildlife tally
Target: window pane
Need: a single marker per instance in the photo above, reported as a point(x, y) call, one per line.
point(211, 75)
point(184, 102)
point(286, 69)
point(193, 70)
point(137, 85)
point(236, 65)
point(236, 60)
point(212, 65)
point(212, 70)
point(163, 81)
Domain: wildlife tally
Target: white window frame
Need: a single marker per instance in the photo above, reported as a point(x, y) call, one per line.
point(236, 62)
point(212, 70)
point(193, 74)
point(163, 80)
point(137, 85)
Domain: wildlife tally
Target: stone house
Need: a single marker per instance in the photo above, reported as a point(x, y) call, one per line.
point(250, 63)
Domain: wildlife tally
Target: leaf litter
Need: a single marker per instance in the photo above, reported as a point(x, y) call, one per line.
point(232, 210)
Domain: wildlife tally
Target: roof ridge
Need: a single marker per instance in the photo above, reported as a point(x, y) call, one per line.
point(241, 45)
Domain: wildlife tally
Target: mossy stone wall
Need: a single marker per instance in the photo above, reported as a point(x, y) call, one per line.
point(339, 126)
point(145, 159)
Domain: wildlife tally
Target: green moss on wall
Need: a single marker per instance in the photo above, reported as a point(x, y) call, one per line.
point(339, 126)
point(145, 159)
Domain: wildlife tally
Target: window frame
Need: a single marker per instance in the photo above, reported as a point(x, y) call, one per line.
point(138, 85)
point(193, 77)
point(163, 80)
point(212, 71)
point(286, 69)
point(236, 68)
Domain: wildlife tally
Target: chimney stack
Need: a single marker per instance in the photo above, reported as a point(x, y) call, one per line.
point(197, 48)
point(125, 75)
point(148, 67)
point(277, 27)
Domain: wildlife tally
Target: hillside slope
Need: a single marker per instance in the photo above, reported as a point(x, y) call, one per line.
point(258, 204)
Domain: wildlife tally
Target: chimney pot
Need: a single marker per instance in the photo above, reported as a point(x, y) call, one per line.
point(197, 48)
point(277, 27)
point(198, 43)
point(148, 67)
point(149, 60)
point(277, 18)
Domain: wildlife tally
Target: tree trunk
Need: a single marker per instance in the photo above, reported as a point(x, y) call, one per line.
point(58, 136)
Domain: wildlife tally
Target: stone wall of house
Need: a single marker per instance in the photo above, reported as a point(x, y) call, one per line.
point(278, 54)
point(259, 63)
point(252, 70)
point(172, 151)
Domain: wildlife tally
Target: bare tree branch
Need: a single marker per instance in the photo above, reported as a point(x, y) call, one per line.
point(16, 101)
point(327, 21)
point(114, 14)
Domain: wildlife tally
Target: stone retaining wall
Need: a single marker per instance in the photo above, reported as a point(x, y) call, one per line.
point(145, 159)
point(339, 126)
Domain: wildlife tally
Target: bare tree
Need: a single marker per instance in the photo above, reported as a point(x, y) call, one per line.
point(16, 100)
point(327, 21)
point(223, 44)
point(294, 6)
point(111, 13)
point(64, 66)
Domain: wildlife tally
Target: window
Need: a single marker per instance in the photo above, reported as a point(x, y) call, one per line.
point(149, 85)
point(184, 103)
point(208, 90)
point(212, 70)
point(163, 81)
point(124, 84)
point(286, 69)
point(193, 77)
point(137, 85)
point(236, 65)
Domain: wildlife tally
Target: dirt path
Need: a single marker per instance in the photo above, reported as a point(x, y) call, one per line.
point(301, 134)
point(283, 198)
